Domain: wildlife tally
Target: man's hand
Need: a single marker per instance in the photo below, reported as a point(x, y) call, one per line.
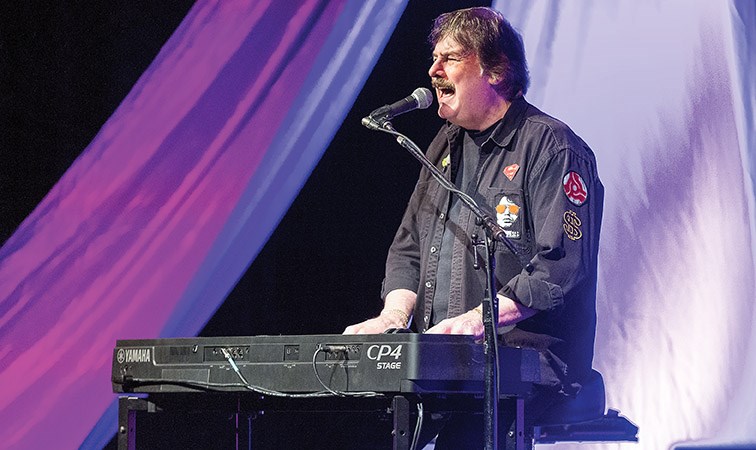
point(376, 325)
point(469, 323)
point(397, 309)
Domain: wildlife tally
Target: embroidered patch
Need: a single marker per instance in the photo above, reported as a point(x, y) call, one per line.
point(511, 171)
point(446, 161)
point(575, 188)
point(572, 225)
point(507, 213)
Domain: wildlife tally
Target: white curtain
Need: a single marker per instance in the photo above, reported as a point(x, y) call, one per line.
point(664, 93)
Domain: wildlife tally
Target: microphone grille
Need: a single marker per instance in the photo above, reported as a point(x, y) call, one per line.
point(424, 97)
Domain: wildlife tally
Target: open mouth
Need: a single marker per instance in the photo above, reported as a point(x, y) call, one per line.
point(443, 87)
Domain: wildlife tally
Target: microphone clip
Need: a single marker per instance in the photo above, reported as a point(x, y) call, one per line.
point(374, 123)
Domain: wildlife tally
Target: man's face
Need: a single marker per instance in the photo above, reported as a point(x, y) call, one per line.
point(465, 94)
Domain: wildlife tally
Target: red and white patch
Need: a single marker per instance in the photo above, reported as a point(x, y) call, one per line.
point(575, 188)
point(511, 171)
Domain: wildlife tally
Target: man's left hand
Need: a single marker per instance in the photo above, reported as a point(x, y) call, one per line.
point(469, 323)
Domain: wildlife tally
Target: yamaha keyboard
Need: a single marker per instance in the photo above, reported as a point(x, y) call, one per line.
point(380, 363)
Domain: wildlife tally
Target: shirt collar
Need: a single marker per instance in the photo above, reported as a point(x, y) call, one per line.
point(504, 132)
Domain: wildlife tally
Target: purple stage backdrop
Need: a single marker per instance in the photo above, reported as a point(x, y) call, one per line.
point(151, 227)
point(664, 94)
point(143, 235)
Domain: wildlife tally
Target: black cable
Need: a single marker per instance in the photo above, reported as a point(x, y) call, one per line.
point(337, 349)
point(225, 387)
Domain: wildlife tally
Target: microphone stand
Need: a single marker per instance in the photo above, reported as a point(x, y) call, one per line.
point(494, 233)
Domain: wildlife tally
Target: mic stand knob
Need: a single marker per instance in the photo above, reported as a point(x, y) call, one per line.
point(476, 242)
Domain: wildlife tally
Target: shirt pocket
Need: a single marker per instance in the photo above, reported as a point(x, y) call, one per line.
point(507, 206)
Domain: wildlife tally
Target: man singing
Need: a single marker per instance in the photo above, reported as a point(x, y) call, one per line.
point(539, 180)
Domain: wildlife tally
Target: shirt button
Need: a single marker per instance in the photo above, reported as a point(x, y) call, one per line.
point(441, 216)
point(428, 284)
point(427, 319)
point(433, 249)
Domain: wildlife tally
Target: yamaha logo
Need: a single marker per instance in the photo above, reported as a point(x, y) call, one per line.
point(133, 355)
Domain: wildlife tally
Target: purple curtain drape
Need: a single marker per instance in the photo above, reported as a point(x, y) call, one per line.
point(664, 94)
point(151, 227)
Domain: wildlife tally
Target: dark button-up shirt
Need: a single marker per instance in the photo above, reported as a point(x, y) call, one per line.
point(539, 180)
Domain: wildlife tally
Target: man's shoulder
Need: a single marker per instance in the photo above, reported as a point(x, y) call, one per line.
point(538, 120)
point(546, 128)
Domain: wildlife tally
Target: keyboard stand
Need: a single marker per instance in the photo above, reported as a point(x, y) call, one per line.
point(131, 410)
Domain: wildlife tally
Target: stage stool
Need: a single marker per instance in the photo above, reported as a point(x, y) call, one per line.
point(583, 418)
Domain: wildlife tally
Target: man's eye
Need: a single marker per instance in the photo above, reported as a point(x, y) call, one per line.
point(443, 58)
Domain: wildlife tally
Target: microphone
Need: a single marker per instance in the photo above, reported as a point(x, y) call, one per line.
point(421, 98)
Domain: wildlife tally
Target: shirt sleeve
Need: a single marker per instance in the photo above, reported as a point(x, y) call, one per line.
point(403, 263)
point(403, 260)
point(565, 198)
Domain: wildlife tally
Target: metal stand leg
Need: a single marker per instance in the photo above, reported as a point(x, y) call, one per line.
point(520, 424)
point(401, 432)
point(127, 409)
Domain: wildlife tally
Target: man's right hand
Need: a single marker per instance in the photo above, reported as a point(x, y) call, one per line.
point(396, 313)
point(376, 325)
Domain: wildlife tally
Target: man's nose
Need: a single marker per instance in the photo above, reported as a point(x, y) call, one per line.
point(436, 69)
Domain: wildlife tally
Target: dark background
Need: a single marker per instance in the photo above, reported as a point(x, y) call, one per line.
point(66, 66)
